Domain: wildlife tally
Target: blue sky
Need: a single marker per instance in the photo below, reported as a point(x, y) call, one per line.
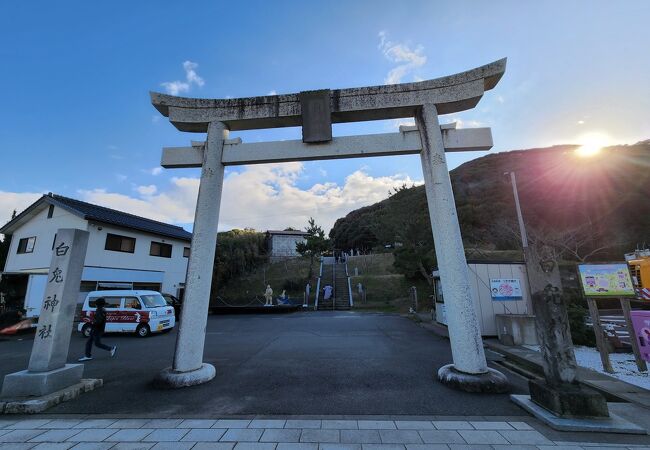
point(76, 117)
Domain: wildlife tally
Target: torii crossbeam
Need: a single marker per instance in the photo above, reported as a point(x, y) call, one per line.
point(406, 142)
point(315, 111)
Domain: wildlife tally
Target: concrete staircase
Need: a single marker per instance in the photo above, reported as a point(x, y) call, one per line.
point(341, 288)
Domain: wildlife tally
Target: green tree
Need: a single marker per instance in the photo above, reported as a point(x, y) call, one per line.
point(238, 252)
point(314, 245)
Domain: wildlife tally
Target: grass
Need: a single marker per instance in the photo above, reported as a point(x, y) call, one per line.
point(289, 274)
point(386, 290)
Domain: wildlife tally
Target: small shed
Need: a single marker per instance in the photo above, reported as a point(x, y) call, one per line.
point(497, 288)
point(282, 244)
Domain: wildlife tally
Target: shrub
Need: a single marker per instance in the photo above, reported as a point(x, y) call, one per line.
point(581, 334)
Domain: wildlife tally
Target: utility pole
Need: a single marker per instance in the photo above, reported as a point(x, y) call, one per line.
point(524, 237)
point(520, 218)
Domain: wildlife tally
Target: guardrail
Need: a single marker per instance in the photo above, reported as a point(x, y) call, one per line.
point(349, 285)
point(350, 292)
point(333, 287)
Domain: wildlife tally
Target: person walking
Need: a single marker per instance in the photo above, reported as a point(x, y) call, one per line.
point(98, 326)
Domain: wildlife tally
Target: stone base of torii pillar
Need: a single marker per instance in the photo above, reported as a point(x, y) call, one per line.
point(490, 381)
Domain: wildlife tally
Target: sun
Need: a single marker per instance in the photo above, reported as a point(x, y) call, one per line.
point(588, 150)
point(592, 144)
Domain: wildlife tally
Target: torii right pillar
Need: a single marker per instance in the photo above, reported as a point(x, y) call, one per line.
point(469, 371)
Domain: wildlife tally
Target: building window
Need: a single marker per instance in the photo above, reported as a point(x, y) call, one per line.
point(160, 249)
point(88, 286)
point(119, 243)
point(26, 245)
point(50, 211)
point(186, 252)
point(146, 287)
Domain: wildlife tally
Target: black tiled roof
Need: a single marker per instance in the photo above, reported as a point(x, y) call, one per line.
point(119, 218)
point(288, 232)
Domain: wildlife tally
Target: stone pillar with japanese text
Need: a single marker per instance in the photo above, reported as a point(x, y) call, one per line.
point(47, 370)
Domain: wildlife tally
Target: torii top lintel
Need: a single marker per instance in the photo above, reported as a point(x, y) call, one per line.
point(450, 94)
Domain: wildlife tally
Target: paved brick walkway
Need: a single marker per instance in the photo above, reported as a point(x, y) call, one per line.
point(280, 434)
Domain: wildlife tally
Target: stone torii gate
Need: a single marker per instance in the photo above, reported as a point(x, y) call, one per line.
point(315, 111)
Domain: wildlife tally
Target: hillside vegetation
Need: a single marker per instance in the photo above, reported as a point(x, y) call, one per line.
point(587, 208)
point(385, 289)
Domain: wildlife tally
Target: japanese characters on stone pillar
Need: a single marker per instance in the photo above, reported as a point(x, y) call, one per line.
point(52, 339)
point(47, 370)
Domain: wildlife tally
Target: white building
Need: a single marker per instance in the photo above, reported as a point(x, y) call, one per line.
point(124, 251)
point(282, 244)
point(485, 278)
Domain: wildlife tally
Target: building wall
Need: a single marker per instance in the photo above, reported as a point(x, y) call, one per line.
point(486, 308)
point(44, 229)
point(285, 245)
point(174, 268)
point(169, 272)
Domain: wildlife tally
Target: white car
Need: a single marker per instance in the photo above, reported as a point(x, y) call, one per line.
point(140, 312)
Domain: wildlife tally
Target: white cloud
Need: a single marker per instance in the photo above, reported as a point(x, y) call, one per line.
point(407, 59)
point(460, 123)
point(120, 177)
point(166, 207)
point(147, 190)
point(272, 92)
point(191, 75)
point(259, 196)
point(18, 201)
point(155, 171)
point(175, 87)
point(191, 78)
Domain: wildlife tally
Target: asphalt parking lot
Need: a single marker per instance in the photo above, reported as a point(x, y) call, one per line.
point(321, 363)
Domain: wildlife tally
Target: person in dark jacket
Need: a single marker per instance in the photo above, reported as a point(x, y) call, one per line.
point(98, 326)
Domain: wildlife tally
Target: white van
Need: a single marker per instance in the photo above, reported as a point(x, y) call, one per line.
point(140, 312)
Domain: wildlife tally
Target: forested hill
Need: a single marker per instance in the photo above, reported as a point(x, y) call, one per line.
point(588, 207)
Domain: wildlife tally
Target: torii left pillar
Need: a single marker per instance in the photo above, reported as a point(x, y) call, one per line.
point(188, 367)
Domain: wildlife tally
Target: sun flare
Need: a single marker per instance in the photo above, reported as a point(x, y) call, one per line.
point(587, 151)
point(592, 144)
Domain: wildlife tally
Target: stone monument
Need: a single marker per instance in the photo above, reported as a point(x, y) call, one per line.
point(268, 296)
point(560, 392)
point(47, 371)
point(559, 400)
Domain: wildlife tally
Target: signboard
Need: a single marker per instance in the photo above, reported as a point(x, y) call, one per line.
point(502, 289)
point(606, 280)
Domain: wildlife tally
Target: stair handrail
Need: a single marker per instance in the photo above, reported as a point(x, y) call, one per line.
point(334, 286)
point(349, 285)
point(320, 274)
